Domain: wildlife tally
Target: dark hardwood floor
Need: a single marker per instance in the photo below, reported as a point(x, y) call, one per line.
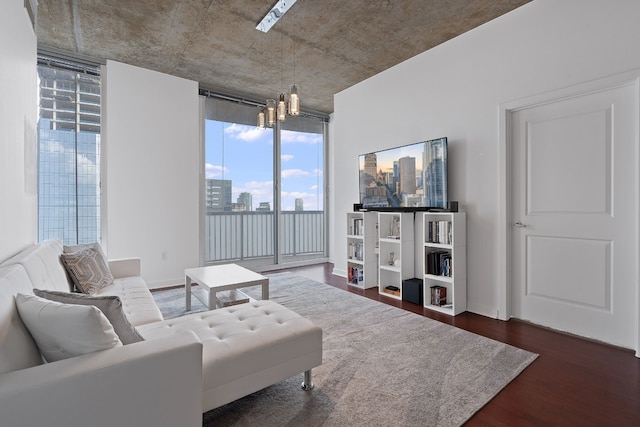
point(573, 382)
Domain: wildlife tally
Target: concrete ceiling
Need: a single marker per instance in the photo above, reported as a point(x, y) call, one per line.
point(324, 46)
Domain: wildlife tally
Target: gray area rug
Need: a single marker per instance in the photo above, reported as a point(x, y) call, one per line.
point(382, 366)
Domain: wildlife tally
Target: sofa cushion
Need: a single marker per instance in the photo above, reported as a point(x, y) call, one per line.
point(88, 268)
point(62, 331)
point(43, 265)
point(110, 305)
point(17, 348)
point(137, 301)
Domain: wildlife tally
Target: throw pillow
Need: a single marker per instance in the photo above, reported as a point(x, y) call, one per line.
point(110, 305)
point(62, 331)
point(88, 269)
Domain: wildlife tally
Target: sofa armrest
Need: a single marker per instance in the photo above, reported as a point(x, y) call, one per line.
point(151, 383)
point(125, 267)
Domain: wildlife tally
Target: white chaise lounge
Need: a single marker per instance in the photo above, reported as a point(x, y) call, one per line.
point(184, 366)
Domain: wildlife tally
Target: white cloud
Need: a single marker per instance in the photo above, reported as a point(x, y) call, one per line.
point(243, 132)
point(314, 187)
point(214, 171)
point(286, 157)
point(295, 173)
point(289, 136)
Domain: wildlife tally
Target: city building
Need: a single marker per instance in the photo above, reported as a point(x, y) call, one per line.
point(264, 207)
point(299, 204)
point(69, 161)
point(218, 195)
point(246, 199)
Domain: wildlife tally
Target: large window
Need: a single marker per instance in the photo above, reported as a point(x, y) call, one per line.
point(68, 155)
point(246, 218)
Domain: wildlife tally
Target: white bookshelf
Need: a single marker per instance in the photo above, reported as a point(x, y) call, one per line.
point(362, 248)
point(396, 236)
point(441, 246)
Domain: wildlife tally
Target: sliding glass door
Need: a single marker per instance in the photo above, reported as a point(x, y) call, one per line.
point(246, 218)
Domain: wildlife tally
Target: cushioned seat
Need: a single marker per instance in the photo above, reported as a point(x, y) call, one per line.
point(137, 303)
point(243, 341)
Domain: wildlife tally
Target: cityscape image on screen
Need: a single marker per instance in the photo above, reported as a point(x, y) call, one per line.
point(410, 176)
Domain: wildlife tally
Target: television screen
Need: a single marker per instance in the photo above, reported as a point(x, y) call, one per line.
point(411, 176)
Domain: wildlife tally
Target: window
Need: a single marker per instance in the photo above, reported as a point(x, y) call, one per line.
point(246, 219)
point(68, 154)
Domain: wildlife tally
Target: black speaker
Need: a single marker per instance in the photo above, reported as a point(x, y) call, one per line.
point(357, 207)
point(412, 291)
point(452, 206)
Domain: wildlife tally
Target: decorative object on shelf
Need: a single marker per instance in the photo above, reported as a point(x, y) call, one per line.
point(395, 228)
point(391, 260)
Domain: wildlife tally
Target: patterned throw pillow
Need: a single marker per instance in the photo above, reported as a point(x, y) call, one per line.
point(110, 305)
point(88, 268)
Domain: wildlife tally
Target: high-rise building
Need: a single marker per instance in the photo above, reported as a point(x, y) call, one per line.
point(69, 156)
point(407, 170)
point(218, 195)
point(370, 167)
point(299, 205)
point(247, 200)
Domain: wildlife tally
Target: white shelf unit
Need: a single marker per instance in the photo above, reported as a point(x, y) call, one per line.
point(362, 242)
point(397, 237)
point(443, 253)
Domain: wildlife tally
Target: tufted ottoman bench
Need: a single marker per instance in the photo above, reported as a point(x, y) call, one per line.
point(247, 347)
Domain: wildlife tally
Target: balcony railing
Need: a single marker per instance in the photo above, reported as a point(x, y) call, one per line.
point(233, 236)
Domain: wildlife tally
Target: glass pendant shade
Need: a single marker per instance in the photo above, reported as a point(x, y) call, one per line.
point(271, 112)
point(282, 108)
point(261, 118)
point(294, 101)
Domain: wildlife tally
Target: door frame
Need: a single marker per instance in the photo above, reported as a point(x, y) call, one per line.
point(505, 217)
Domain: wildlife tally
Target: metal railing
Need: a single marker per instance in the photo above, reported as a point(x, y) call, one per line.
point(245, 235)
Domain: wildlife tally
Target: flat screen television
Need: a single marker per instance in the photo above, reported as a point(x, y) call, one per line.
point(410, 177)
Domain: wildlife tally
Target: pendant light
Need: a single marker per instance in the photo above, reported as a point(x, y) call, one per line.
point(261, 118)
point(294, 101)
point(271, 112)
point(282, 109)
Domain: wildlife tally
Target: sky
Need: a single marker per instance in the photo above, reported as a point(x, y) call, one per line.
point(244, 155)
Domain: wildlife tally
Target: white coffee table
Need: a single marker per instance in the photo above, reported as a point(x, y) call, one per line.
point(217, 278)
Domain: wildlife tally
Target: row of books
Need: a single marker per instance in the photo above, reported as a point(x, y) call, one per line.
point(356, 228)
point(439, 263)
point(355, 251)
point(439, 232)
point(355, 275)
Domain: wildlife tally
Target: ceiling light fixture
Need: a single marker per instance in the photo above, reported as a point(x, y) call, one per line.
point(271, 112)
point(282, 108)
point(276, 12)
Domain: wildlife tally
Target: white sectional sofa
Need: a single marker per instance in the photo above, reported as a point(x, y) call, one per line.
point(184, 366)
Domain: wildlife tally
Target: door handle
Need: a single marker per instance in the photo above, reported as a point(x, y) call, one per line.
point(519, 225)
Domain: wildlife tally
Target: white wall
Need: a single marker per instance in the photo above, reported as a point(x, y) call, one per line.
point(151, 147)
point(18, 125)
point(455, 90)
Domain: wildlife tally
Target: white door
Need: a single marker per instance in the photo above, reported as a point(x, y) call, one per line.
point(573, 170)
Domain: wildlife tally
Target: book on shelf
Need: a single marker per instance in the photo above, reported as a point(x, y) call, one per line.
point(439, 232)
point(438, 295)
point(355, 251)
point(356, 228)
point(439, 263)
point(355, 275)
